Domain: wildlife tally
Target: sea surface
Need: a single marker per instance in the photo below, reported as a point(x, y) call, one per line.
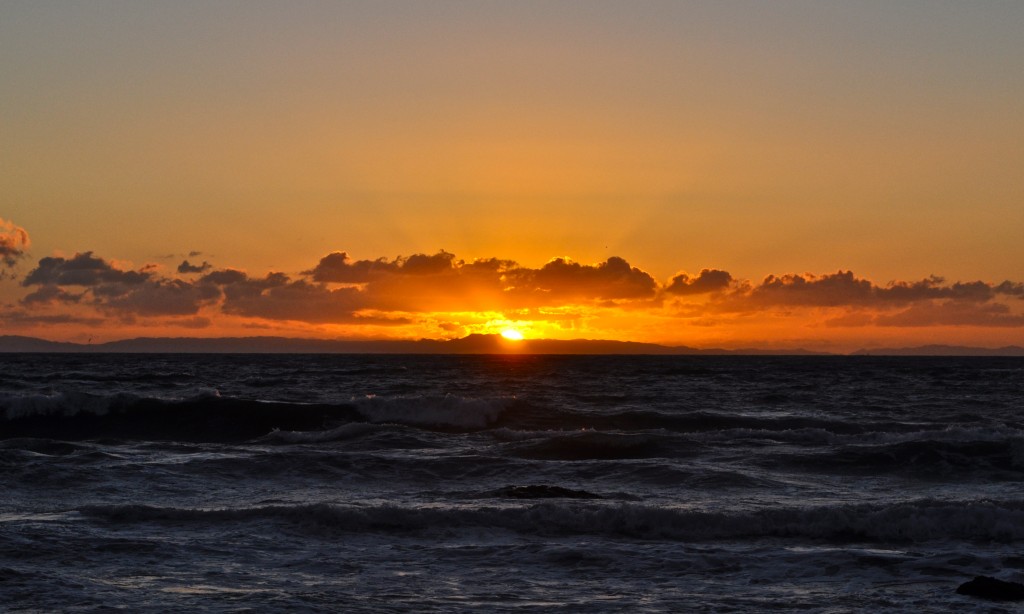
point(376, 483)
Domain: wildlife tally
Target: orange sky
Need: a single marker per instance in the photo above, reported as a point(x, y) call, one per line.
point(640, 140)
point(439, 295)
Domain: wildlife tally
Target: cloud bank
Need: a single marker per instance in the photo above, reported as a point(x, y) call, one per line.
point(442, 295)
point(88, 279)
point(859, 302)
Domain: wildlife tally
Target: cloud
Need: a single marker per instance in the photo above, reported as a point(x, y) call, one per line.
point(168, 297)
point(187, 267)
point(708, 280)
point(423, 283)
point(441, 281)
point(1010, 288)
point(338, 267)
point(193, 322)
point(224, 277)
point(422, 264)
point(951, 313)
point(14, 242)
point(112, 289)
point(440, 292)
point(844, 300)
point(935, 313)
point(841, 288)
point(82, 270)
point(278, 297)
point(48, 295)
point(22, 317)
point(844, 289)
point(564, 279)
point(934, 288)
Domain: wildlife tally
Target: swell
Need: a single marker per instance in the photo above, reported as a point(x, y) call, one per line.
point(207, 416)
point(202, 418)
point(906, 522)
point(918, 456)
point(539, 491)
point(597, 445)
point(526, 416)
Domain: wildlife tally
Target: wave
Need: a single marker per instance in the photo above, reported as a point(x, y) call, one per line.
point(205, 415)
point(208, 416)
point(597, 445)
point(539, 491)
point(42, 447)
point(912, 521)
point(341, 433)
point(919, 456)
point(444, 412)
point(527, 416)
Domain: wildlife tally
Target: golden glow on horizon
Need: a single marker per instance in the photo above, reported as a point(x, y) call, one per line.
point(512, 334)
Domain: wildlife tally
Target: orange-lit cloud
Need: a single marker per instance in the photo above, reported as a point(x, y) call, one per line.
point(708, 280)
point(278, 297)
point(844, 289)
point(14, 242)
point(440, 295)
point(188, 267)
point(111, 289)
point(442, 282)
point(566, 280)
point(843, 300)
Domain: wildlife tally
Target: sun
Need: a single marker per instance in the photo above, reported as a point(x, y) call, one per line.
point(512, 334)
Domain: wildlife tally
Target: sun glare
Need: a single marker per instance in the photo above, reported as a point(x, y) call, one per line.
point(512, 334)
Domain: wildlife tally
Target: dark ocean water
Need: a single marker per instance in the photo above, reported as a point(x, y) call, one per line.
point(507, 483)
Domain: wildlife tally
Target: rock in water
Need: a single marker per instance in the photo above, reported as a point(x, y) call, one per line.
point(991, 588)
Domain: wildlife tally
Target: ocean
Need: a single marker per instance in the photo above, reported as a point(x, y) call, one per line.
point(387, 483)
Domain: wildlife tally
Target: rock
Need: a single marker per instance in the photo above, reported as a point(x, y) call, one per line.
point(991, 588)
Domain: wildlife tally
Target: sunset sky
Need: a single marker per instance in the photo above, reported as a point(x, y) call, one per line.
point(714, 174)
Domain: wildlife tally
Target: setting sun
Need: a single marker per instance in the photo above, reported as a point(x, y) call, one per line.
point(512, 334)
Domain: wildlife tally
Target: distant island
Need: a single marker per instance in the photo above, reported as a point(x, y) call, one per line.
point(943, 350)
point(472, 344)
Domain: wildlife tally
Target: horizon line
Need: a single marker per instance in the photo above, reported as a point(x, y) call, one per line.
point(473, 344)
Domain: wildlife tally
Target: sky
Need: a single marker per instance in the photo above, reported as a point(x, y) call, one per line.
point(714, 174)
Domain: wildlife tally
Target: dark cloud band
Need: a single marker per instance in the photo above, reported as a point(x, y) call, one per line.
point(343, 290)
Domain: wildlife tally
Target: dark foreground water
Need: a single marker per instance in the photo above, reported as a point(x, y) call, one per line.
point(507, 483)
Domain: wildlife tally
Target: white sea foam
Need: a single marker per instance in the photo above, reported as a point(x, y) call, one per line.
point(61, 403)
point(340, 433)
